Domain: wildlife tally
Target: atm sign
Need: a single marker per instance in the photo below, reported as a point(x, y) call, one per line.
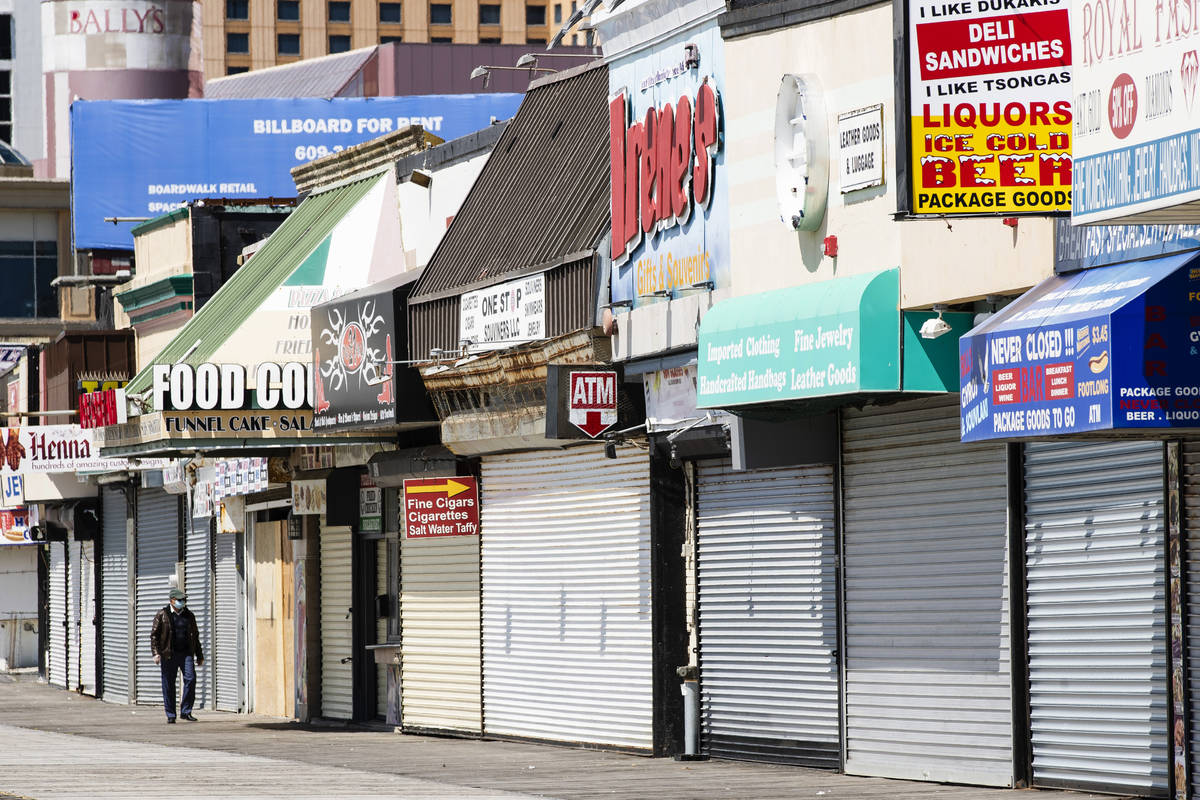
point(593, 401)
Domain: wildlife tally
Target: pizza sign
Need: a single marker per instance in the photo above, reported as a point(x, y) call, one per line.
point(593, 401)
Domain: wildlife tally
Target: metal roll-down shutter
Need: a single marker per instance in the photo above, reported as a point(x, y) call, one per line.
point(198, 585)
point(766, 565)
point(567, 637)
point(228, 655)
point(928, 692)
point(60, 628)
point(337, 624)
point(114, 598)
point(439, 617)
point(1191, 582)
point(1095, 569)
point(86, 665)
point(157, 551)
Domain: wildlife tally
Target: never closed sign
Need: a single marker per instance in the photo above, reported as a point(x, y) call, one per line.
point(593, 401)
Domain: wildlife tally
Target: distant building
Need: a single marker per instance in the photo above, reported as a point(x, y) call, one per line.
point(240, 36)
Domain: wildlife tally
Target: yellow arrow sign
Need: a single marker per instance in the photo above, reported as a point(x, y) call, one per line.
point(450, 488)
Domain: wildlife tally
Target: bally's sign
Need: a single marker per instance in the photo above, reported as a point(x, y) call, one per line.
point(661, 164)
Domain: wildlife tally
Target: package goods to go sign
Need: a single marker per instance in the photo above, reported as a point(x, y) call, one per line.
point(205, 387)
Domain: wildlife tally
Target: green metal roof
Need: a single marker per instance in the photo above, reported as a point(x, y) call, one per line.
point(287, 248)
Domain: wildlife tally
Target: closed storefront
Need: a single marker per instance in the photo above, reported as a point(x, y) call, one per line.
point(567, 634)
point(337, 626)
point(439, 614)
point(381, 626)
point(1096, 575)
point(1191, 584)
point(157, 553)
point(228, 656)
point(116, 642)
point(59, 630)
point(766, 566)
point(927, 675)
point(83, 615)
point(198, 585)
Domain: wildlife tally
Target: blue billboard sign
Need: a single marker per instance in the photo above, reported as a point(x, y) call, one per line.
point(1109, 348)
point(143, 158)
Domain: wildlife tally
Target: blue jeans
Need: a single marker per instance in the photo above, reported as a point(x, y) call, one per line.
point(169, 667)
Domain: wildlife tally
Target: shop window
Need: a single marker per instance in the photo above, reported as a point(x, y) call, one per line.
point(6, 106)
point(440, 14)
point(287, 10)
point(237, 43)
point(389, 12)
point(237, 9)
point(535, 40)
point(535, 15)
point(339, 43)
point(489, 14)
point(391, 39)
point(6, 37)
point(339, 11)
point(28, 268)
point(288, 44)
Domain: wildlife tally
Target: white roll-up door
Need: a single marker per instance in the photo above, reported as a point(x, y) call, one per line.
point(60, 628)
point(86, 675)
point(928, 692)
point(198, 585)
point(766, 562)
point(567, 636)
point(1191, 582)
point(228, 658)
point(1095, 569)
point(157, 551)
point(114, 598)
point(73, 628)
point(439, 615)
point(337, 623)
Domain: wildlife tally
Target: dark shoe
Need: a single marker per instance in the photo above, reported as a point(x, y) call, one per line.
point(170, 720)
point(189, 717)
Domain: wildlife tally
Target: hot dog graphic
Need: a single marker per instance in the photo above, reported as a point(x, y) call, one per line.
point(1099, 363)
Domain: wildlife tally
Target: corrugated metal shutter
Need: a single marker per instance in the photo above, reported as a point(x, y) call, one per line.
point(337, 625)
point(114, 599)
point(928, 691)
point(1094, 527)
point(59, 631)
point(567, 636)
point(381, 624)
point(86, 676)
point(439, 614)
point(1191, 582)
point(72, 614)
point(229, 645)
point(157, 551)
point(198, 585)
point(766, 563)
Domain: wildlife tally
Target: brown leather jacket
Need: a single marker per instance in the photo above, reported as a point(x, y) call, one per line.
point(160, 634)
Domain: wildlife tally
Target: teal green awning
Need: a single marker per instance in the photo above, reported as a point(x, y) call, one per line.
point(836, 337)
point(301, 240)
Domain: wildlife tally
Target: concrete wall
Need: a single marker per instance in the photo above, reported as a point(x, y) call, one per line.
point(940, 260)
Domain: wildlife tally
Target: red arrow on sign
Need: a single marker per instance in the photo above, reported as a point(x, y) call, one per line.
point(592, 425)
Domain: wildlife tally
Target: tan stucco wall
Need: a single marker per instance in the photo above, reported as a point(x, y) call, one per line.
point(851, 56)
point(158, 254)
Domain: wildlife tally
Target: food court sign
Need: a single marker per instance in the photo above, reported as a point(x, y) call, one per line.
point(1137, 131)
point(989, 91)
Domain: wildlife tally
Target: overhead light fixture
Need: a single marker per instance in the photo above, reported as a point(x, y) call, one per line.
point(707, 286)
point(933, 328)
point(660, 293)
point(531, 59)
point(485, 71)
point(421, 177)
point(619, 304)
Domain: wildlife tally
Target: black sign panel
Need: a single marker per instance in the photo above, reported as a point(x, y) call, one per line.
point(354, 347)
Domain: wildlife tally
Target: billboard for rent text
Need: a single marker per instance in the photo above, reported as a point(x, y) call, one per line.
point(135, 159)
point(990, 105)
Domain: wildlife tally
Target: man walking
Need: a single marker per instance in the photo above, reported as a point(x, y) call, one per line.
point(175, 643)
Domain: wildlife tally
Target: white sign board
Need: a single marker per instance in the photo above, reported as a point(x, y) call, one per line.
point(504, 315)
point(860, 148)
point(55, 448)
point(1137, 120)
point(12, 490)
